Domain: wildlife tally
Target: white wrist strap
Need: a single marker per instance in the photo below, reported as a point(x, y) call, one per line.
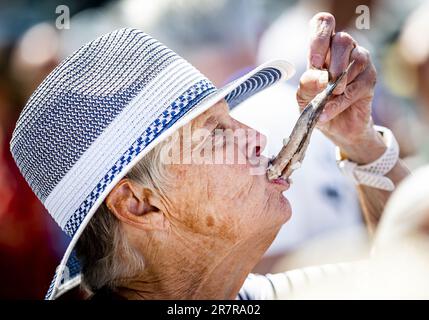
point(373, 174)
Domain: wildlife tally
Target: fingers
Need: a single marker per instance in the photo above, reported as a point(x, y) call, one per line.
point(361, 61)
point(359, 90)
point(322, 27)
point(311, 83)
point(336, 105)
point(335, 51)
point(341, 48)
point(314, 81)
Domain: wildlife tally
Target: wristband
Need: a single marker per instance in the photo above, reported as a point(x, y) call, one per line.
point(373, 174)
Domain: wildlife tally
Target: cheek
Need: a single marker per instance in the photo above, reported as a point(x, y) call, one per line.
point(188, 190)
point(229, 185)
point(199, 201)
point(236, 196)
point(224, 201)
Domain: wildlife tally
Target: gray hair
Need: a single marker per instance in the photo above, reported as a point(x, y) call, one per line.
point(107, 257)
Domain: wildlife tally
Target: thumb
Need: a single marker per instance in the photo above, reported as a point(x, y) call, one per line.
point(311, 83)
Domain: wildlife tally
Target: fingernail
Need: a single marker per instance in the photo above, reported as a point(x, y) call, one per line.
point(316, 61)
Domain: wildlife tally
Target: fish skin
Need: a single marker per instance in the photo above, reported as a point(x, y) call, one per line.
point(283, 165)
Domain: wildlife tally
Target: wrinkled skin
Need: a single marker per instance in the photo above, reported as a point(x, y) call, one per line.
point(225, 200)
point(213, 216)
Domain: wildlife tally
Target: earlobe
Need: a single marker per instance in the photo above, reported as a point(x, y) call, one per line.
point(132, 204)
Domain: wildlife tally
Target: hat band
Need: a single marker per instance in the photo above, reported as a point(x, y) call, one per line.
point(166, 119)
point(101, 155)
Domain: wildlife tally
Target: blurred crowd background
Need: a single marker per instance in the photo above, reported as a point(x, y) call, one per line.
point(223, 38)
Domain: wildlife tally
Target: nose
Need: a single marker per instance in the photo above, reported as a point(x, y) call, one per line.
point(255, 141)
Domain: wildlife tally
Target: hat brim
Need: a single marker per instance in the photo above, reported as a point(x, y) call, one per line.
point(67, 275)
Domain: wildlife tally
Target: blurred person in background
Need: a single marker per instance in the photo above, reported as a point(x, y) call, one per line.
point(206, 31)
point(399, 261)
point(407, 64)
point(29, 242)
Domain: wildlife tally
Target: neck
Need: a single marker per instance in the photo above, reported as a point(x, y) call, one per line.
point(203, 277)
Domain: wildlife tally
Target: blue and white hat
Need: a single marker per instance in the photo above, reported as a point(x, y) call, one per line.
point(99, 113)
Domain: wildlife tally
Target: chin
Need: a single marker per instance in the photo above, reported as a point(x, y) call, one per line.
point(282, 210)
point(286, 210)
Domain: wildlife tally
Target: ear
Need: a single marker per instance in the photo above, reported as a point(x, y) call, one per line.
point(135, 205)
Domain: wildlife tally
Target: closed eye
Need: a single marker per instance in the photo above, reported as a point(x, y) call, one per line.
point(219, 128)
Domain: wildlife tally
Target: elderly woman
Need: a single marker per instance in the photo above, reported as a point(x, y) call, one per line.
point(115, 143)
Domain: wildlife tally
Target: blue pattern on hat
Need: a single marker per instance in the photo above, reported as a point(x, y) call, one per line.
point(168, 117)
point(258, 82)
point(72, 270)
point(74, 106)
